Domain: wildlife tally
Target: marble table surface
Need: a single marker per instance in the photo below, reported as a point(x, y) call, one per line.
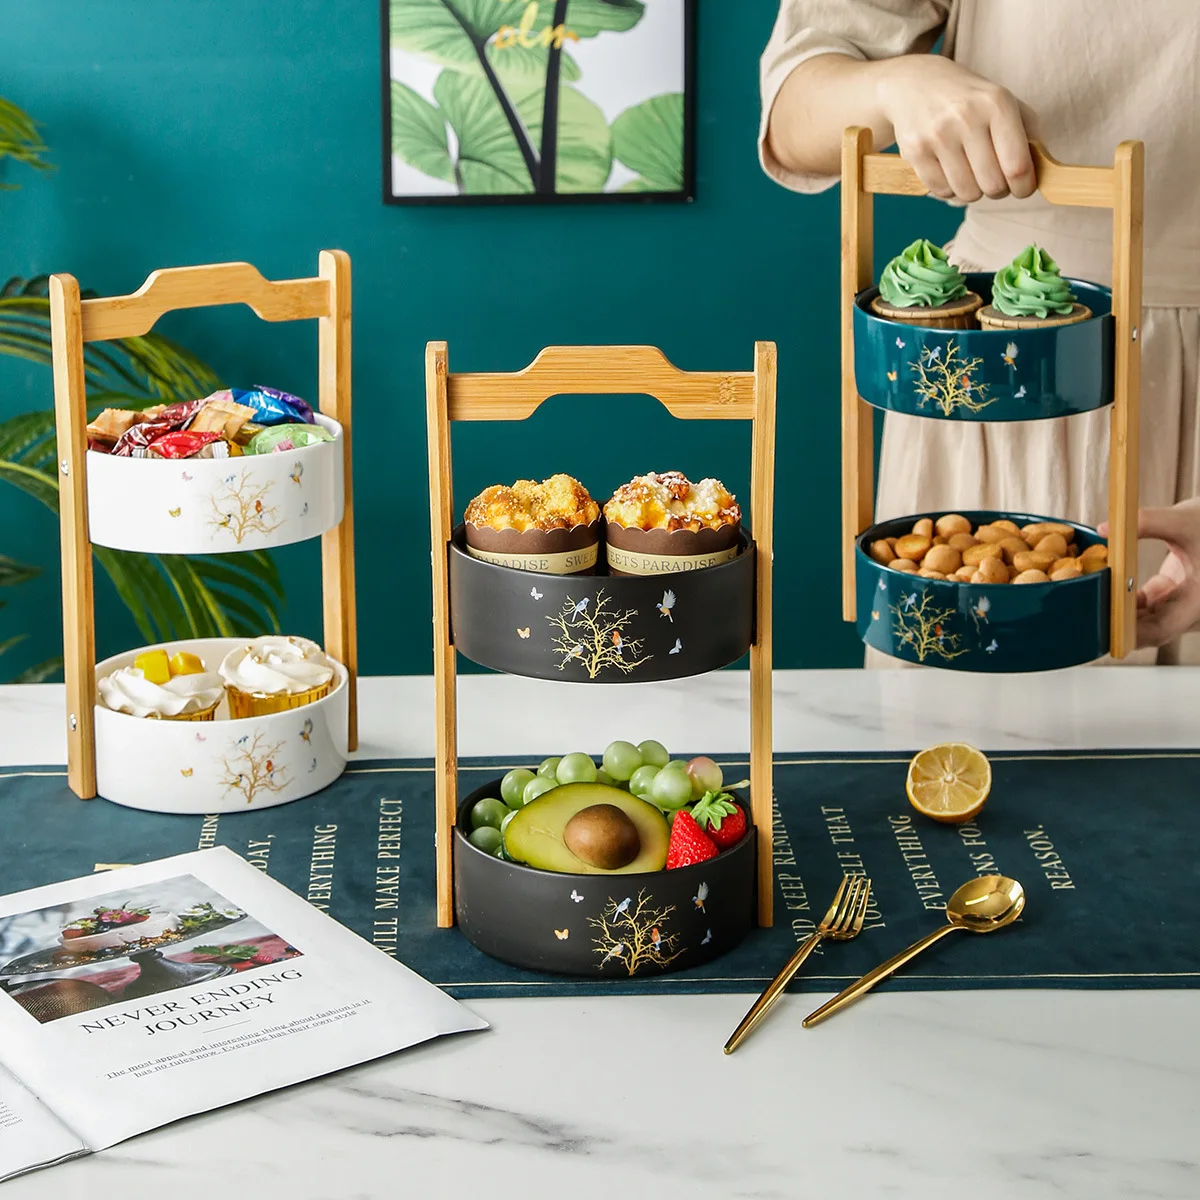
point(1038, 1095)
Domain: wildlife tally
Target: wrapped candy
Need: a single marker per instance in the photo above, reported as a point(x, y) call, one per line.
point(183, 443)
point(287, 437)
point(272, 407)
point(221, 415)
point(170, 418)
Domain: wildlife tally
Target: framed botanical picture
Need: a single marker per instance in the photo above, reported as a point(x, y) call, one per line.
point(537, 101)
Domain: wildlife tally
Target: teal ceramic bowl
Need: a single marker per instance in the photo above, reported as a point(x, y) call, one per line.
point(998, 627)
point(986, 375)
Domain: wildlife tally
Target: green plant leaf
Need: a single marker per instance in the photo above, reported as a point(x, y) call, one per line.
point(489, 158)
point(419, 134)
point(587, 18)
point(584, 140)
point(13, 572)
point(39, 672)
point(20, 140)
point(453, 32)
point(519, 66)
point(648, 139)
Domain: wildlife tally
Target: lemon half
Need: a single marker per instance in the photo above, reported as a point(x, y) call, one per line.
point(950, 782)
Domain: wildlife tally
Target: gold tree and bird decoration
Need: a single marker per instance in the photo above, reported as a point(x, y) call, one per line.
point(632, 933)
point(947, 381)
point(242, 508)
point(925, 628)
point(593, 634)
point(250, 768)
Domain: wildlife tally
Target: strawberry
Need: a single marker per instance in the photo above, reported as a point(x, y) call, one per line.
point(722, 819)
point(262, 960)
point(689, 843)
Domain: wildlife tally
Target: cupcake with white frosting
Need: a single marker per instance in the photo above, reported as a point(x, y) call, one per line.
point(191, 697)
point(272, 674)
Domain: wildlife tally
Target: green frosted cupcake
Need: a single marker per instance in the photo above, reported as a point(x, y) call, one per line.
point(921, 286)
point(1031, 294)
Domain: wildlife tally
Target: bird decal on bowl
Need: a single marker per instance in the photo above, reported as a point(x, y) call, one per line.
point(668, 603)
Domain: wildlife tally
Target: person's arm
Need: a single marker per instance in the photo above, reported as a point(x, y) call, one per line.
point(964, 136)
point(1169, 601)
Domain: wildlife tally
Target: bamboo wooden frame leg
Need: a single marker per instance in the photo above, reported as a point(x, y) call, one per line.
point(1120, 188)
point(73, 323)
point(598, 370)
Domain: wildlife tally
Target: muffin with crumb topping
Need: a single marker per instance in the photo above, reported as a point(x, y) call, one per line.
point(552, 526)
point(660, 523)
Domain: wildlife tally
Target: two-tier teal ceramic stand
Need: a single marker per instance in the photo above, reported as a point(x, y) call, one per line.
point(991, 375)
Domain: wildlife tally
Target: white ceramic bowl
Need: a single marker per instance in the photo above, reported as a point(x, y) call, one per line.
point(214, 505)
point(221, 765)
point(122, 935)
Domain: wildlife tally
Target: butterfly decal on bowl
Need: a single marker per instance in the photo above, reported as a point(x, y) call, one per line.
point(186, 772)
point(562, 934)
point(174, 512)
point(523, 634)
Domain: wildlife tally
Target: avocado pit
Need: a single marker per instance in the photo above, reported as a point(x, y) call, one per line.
point(603, 836)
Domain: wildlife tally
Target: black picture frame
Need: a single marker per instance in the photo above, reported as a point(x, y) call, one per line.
point(685, 195)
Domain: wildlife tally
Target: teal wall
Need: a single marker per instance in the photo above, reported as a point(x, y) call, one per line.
point(190, 131)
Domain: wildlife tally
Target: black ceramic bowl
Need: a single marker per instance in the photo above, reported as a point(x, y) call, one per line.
point(997, 627)
point(601, 628)
point(986, 374)
point(602, 925)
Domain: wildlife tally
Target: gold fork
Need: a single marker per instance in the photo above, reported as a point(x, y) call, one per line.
point(843, 921)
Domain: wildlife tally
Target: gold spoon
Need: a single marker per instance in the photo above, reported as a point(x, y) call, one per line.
point(981, 905)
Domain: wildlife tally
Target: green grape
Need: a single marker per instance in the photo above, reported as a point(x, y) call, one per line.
point(676, 764)
point(486, 838)
point(641, 780)
point(548, 768)
point(621, 759)
point(653, 753)
point(537, 786)
point(671, 790)
point(504, 824)
point(512, 786)
point(576, 768)
point(488, 812)
point(605, 778)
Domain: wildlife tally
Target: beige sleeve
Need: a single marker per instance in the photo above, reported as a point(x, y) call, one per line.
point(862, 29)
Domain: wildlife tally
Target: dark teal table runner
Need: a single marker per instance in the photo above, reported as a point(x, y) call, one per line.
point(1100, 840)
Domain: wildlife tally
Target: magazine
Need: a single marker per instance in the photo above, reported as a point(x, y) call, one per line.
point(134, 997)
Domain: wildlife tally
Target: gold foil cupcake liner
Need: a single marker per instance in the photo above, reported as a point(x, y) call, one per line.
point(259, 704)
point(201, 714)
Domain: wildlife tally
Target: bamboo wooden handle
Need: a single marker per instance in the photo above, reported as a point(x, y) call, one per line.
point(204, 287)
point(601, 370)
point(1060, 183)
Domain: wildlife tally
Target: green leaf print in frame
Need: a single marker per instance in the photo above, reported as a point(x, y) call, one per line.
point(524, 101)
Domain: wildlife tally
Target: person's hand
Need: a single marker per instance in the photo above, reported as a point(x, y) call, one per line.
point(964, 136)
point(1169, 601)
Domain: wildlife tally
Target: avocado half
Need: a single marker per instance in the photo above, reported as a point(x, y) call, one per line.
point(538, 834)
